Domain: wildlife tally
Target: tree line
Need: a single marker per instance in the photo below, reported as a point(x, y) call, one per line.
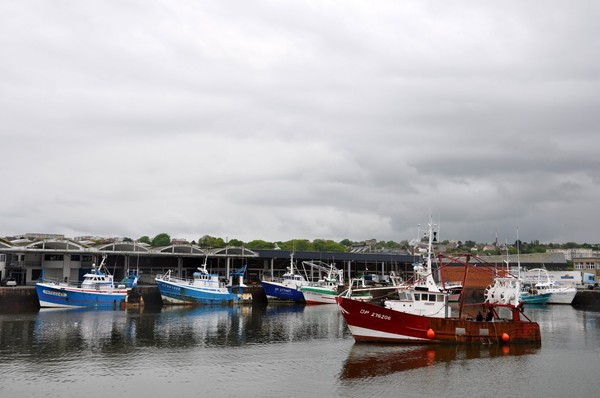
point(325, 245)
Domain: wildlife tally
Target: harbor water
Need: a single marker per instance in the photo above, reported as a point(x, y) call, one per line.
point(279, 351)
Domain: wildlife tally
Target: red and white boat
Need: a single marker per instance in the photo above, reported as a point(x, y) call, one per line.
point(420, 313)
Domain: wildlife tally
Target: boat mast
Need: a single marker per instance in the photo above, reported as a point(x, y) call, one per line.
point(518, 259)
point(507, 261)
point(204, 266)
point(430, 282)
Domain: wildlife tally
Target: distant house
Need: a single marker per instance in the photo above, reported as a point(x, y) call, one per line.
point(573, 253)
point(588, 265)
point(367, 246)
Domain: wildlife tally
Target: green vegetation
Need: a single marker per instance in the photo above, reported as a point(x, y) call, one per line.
point(211, 242)
point(161, 240)
point(324, 245)
point(260, 244)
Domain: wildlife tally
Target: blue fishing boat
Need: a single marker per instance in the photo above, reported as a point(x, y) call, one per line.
point(203, 288)
point(288, 287)
point(130, 280)
point(533, 296)
point(98, 289)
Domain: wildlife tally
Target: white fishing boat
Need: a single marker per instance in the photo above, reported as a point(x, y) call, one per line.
point(542, 282)
point(324, 290)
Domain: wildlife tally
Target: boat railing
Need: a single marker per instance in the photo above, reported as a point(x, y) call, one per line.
point(78, 285)
point(323, 281)
point(60, 282)
point(176, 279)
point(208, 282)
point(276, 279)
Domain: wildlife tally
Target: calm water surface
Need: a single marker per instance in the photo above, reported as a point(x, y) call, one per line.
point(278, 351)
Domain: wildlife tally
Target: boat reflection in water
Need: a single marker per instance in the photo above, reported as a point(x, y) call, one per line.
point(58, 332)
point(369, 360)
point(107, 331)
point(68, 331)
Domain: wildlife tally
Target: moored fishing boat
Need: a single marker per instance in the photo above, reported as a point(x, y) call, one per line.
point(532, 295)
point(529, 294)
point(420, 313)
point(542, 282)
point(287, 287)
point(321, 292)
point(360, 289)
point(203, 288)
point(324, 290)
point(98, 289)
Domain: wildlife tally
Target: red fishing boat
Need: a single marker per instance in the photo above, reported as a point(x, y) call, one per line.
point(420, 312)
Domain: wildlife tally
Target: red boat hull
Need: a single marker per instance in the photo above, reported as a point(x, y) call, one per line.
point(373, 323)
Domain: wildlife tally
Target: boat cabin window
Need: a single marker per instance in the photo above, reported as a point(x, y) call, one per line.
point(404, 296)
point(426, 297)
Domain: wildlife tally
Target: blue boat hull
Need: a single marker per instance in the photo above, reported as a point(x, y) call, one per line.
point(536, 299)
point(173, 293)
point(278, 291)
point(58, 296)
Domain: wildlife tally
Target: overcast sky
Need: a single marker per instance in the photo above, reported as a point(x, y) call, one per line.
point(281, 120)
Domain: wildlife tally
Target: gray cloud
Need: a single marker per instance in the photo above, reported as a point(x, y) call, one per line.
point(299, 119)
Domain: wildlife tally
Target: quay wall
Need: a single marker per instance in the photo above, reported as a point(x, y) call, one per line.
point(587, 299)
point(18, 298)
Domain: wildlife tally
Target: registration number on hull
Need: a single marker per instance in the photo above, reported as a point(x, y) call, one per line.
point(376, 315)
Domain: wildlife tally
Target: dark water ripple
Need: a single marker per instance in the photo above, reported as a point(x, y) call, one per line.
point(276, 351)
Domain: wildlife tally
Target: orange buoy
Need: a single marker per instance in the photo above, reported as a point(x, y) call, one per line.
point(430, 333)
point(505, 337)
